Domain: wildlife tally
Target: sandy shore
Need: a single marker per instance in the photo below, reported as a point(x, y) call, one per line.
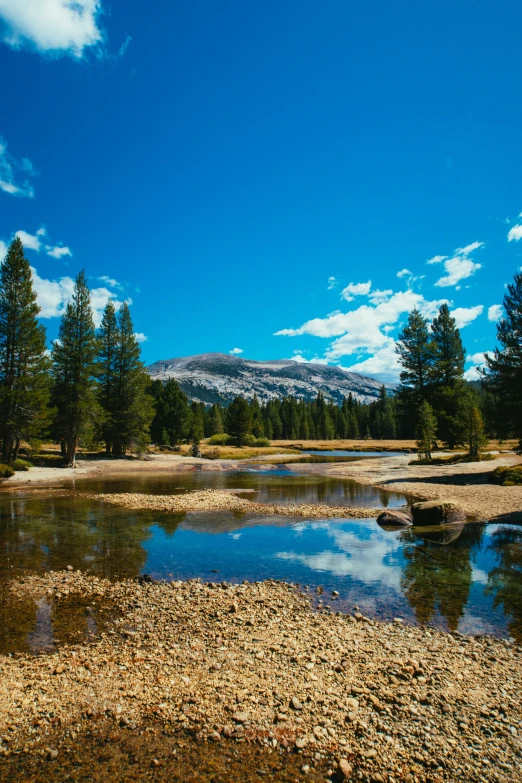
point(467, 483)
point(253, 663)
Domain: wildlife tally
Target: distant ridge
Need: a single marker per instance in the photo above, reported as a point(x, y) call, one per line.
point(218, 378)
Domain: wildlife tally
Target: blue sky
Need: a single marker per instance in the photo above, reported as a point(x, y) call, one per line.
point(268, 178)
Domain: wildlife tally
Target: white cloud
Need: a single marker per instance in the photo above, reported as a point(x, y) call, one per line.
point(460, 266)
point(495, 312)
point(15, 174)
point(30, 241)
point(383, 365)
point(54, 26)
point(332, 282)
point(110, 281)
point(376, 297)
point(140, 337)
point(465, 315)
point(58, 251)
point(478, 361)
point(515, 233)
point(236, 351)
point(298, 357)
point(404, 273)
point(36, 242)
point(53, 296)
point(355, 289)
point(436, 259)
point(3, 250)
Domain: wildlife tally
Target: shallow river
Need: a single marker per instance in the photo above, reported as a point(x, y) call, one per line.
point(470, 581)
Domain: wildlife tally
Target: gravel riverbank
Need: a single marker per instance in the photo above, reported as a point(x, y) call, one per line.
point(253, 663)
point(221, 500)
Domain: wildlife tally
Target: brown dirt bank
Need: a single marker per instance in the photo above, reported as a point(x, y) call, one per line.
point(220, 500)
point(465, 483)
point(252, 663)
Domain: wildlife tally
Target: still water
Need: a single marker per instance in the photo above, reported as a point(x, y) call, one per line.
point(278, 485)
point(469, 581)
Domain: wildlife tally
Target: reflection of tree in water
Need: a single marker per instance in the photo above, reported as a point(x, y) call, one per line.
point(170, 522)
point(50, 533)
point(505, 580)
point(437, 573)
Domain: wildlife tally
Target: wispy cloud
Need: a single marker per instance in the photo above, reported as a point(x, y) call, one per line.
point(236, 351)
point(15, 175)
point(515, 233)
point(59, 27)
point(38, 243)
point(140, 337)
point(356, 289)
point(111, 282)
point(332, 282)
point(459, 267)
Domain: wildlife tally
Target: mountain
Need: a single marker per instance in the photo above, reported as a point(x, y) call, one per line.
point(218, 377)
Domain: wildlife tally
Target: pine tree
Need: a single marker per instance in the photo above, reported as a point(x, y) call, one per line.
point(416, 353)
point(133, 411)
point(197, 422)
point(449, 355)
point(426, 429)
point(505, 365)
point(175, 414)
point(476, 439)
point(74, 371)
point(216, 425)
point(238, 420)
point(256, 419)
point(24, 378)
point(109, 340)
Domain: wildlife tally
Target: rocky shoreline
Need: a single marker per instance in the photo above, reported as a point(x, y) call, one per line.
point(221, 500)
point(253, 663)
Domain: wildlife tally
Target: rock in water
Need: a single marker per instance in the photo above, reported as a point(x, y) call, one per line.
point(395, 518)
point(437, 512)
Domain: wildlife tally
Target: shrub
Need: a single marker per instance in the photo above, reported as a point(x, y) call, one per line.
point(262, 442)
point(49, 461)
point(21, 465)
point(508, 476)
point(220, 439)
point(6, 471)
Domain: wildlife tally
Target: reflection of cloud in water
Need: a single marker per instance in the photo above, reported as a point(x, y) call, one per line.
point(478, 575)
point(366, 560)
point(235, 536)
point(472, 625)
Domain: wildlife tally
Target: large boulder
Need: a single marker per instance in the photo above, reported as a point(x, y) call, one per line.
point(395, 518)
point(437, 512)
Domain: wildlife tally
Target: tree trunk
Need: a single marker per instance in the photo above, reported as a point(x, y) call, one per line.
point(72, 448)
point(16, 449)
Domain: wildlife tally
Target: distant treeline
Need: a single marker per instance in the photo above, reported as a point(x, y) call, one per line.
point(288, 419)
point(92, 387)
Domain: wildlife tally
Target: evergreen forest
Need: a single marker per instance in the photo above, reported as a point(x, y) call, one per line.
point(91, 388)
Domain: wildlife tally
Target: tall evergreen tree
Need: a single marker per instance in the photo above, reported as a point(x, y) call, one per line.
point(74, 371)
point(449, 355)
point(175, 413)
point(238, 420)
point(133, 411)
point(416, 353)
point(109, 340)
point(256, 420)
point(215, 418)
point(24, 378)
point(505, 365)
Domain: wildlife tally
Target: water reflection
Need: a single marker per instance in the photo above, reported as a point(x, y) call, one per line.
point(464, 577)
point(276, 485)
point(505, 578)
point(437, 573)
